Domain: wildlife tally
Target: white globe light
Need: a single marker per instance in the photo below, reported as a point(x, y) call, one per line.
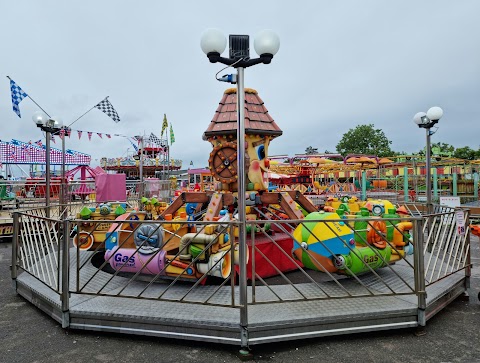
point(58, 122)
point(266, 42)
point(435, 113)
point(39, 118)
point(213, 40)
point(418, 118)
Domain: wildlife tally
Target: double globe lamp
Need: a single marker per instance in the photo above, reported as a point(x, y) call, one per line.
point(427, 121)
point(266, 43)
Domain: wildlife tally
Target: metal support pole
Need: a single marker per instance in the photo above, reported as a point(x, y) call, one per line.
point(435, 184)
point(66, 274)
point(364, 185)
point(16, 233)
point(63, 189)
point(468, 270)
point(454, 184)
point(405, 185)
point(475, 185)
point(419, 271)
point(48, 136)
point(140, 169)
point(428, 176)
point(168, 170)
point(241, 207)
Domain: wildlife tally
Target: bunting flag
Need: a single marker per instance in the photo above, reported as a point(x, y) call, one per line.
point(69, 131)
point(38, 142)
point(89, 133)
point(53, 139)
point(133, 144)
point(108, 136)
point(62, 133)
point(164, 124)
point(17, 96)
point(172, 136)
point(25, 147)
point(99, 135)
point(106, 107)
point(20, 152)
point(79, 134)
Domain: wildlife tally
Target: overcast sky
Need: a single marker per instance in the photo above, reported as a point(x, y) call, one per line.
point(340, 64)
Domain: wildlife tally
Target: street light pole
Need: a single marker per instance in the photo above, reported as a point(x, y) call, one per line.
point(427, 121)
point(48, 136)
point(242, 216)
point(266, 44)
point(49, 126)
point(63, 186)
point(428, 172)
point(139, 158)
point(140, 169)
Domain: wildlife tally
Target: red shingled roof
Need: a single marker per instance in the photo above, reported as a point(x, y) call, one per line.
point(257, 119)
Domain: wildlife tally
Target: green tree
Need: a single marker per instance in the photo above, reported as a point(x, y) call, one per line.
point(465, 153)
point(440, 149)
point(364, 139)
point(311, 150)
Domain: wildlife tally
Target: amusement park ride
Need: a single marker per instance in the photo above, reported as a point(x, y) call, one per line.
point(190, 250)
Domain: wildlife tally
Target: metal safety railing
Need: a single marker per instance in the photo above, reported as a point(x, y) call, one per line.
point(36, 247)
point(333, 267)
point(131, 267)
point(447, 243)
point(287, 261)
point(31, 193)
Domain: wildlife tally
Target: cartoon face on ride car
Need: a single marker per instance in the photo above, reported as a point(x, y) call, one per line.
point(257, 163)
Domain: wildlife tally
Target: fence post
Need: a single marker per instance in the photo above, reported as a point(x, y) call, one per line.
point(406, 196)
point(16, 233)
point(468, 262)
point(364, 185)
point(419, 271)
point(475, 185)
point(65, 274)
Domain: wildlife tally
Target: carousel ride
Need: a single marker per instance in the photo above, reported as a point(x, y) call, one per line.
point(338, 238)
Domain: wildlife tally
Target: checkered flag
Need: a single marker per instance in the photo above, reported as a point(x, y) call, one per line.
point(154, 139)
point(17, 96)
point(106, 107)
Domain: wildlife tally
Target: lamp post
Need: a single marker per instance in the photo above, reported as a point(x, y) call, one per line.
point(266, 44)
point(139, 158)
point(63, 186)
point(427, 121)
point(49, 126)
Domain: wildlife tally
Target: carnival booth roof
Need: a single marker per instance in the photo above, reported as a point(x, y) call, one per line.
point(257, 119)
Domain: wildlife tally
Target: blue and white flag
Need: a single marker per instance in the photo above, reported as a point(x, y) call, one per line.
point(17, 96)
point(134, 146)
